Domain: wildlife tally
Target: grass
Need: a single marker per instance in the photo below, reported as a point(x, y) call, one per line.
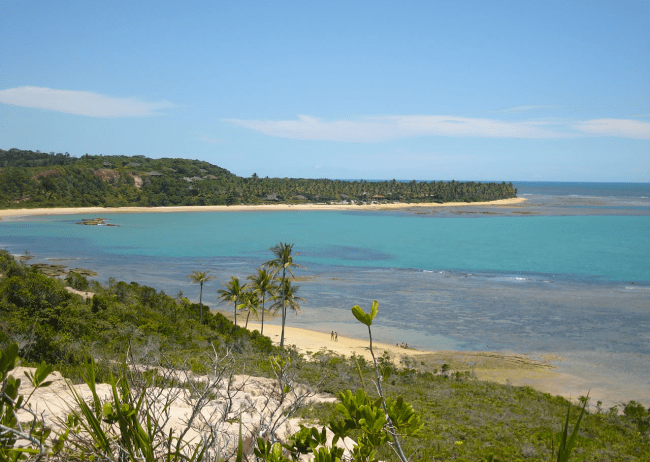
point(471, 419)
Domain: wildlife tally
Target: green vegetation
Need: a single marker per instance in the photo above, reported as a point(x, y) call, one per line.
point(291, 298)
point(456, 417)
point(51, 324)
point(200, 277)
point(281, 264)
point(11, 403)
point(232, 294)
point(34, 179)
point(469, 420)
point(262, 285)
point(250, 303)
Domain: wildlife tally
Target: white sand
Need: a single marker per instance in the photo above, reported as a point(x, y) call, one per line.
point(251, 397)
point(311, 341)
point(8, 213)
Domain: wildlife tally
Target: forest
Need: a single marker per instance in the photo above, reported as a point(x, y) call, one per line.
point(31, 179)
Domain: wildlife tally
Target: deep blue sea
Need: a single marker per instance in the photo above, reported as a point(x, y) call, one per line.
point(566, 273)
point(618, 190)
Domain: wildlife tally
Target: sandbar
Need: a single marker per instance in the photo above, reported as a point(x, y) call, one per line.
point(9, 213)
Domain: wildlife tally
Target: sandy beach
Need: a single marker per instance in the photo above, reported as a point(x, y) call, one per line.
point(309, 342)
point(9, 213)
point(506, 368)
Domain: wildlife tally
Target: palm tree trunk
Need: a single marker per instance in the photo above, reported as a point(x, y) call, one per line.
point(201, 305)
point(284, 309)
point(247, 316)
point(262, 331)
point(236, 300)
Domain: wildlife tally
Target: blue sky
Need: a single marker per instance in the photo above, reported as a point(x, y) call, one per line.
point(552, 90)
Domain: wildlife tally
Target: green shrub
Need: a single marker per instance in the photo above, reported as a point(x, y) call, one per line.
point(76, 281)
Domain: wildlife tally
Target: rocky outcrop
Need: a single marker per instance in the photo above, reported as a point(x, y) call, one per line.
point(110, 176)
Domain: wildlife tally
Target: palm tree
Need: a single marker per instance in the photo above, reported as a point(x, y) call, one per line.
point(250, 302)
point(232, 293)
point(282, 262)
point(262, 284)
point(290, 298)
point(200, 277)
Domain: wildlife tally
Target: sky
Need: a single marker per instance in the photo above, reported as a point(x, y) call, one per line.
point(426, 90)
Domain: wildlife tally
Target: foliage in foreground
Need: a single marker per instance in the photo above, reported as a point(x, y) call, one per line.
point(463, 419)
point(128, 426)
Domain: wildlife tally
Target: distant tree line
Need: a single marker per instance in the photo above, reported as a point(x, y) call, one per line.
point(34, 179)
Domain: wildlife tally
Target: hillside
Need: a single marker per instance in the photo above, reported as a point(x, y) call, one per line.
point(464, 418)
point(34, 179)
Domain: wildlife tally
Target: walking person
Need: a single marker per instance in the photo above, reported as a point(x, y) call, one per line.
point(332, 336)
point(336, 336)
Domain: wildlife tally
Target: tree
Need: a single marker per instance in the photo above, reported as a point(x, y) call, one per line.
point(200, 277)
point(232, 293)
point(262, 284)
point(282, 262)
point(250, 302)
point(290, 298)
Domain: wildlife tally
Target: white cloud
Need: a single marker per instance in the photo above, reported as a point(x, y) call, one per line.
point(79, 102)
point(374, 129)
point(377, 129)
point(624, 128)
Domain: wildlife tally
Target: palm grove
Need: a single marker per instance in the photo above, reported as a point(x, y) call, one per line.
point(271, 283)
point(34, 179)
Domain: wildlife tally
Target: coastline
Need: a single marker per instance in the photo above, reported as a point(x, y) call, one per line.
point(559, 376)
point(507, 368)
point(12, 213)
point(310, 341)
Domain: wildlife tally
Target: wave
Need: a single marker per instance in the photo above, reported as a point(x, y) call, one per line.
point(509, 278)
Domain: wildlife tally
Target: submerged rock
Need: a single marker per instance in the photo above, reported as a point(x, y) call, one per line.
point(83, 272)
point(50, 270)
point(94, 222)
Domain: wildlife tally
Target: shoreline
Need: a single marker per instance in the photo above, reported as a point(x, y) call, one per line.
point(557, 375)
point(12, 213)
point(306, 340)
point(540, 372)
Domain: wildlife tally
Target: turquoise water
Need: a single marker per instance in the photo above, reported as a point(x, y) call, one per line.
point(606, 247)
point(570, 278)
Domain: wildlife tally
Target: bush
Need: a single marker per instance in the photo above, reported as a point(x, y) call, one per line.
point(76, 281)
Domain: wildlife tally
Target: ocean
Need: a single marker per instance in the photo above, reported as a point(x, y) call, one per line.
point(567, 273)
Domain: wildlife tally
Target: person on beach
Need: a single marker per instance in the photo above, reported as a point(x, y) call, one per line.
point(332, 336)
point(336, 336)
